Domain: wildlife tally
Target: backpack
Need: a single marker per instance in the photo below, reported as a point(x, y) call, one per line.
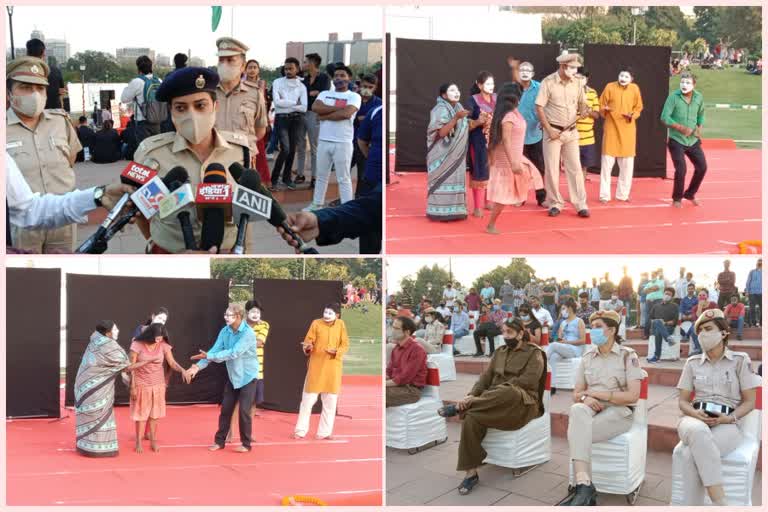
point(154, 112)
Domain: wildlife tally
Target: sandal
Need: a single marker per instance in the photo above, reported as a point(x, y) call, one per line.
point(448, 410)
point(468, 484)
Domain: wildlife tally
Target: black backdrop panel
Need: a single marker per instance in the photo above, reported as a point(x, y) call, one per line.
point(289, 307)
point(651, 71)
point(33, 320)
point(422, 66)
point(196, 309)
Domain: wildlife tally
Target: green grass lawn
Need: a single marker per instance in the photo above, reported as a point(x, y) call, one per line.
point(363, 358)
point(733, 86)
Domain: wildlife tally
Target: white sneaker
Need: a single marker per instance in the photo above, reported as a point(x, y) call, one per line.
point(312, 207)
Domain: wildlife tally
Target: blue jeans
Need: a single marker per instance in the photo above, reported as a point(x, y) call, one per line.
point(739, 324)
point(272, 145)
point(507, 307)
point(460, 333)
point(660, 331)
point(694, 339)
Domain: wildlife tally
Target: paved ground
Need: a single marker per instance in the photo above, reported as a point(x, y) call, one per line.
point(265, 239)
point(429, 478)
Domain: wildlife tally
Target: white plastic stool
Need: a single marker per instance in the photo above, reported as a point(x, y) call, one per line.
point(417, 426)
point(668, 353)
point(529, 446)
point(565, 369)
point(618, 465)
point(738, 466)
point(444, 360)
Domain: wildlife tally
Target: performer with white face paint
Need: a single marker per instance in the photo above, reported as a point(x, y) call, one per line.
point(620, 106)
point(481, 106)
point(325, 344)
point(683, 114)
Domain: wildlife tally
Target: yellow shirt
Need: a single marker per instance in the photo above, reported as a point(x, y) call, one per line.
point(586, 126)
point(324, 370)
point(619, 136)
point(261, 330)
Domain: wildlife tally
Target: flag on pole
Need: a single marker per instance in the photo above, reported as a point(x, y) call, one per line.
point(216, 18)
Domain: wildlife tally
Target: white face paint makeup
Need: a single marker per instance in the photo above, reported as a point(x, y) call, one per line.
point(686, 85)
point(526, 73)
point(115, 332)
point(625, 78)
point(570, 71)
point(329, 315)
point(453, 93)
point(254, 315)
point(488, 86)
point(160, 319)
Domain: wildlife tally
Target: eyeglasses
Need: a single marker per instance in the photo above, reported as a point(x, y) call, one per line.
point(229, 315)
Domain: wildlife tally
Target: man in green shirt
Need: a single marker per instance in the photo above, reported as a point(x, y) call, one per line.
point(654, 293)
point(683, 114)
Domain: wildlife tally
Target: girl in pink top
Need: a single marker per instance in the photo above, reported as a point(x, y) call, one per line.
point(148, 382)
point(512, 174)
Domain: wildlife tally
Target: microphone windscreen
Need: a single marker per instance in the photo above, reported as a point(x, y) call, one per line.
point(178, 173)
point(215, 173)
point(250, 179)
point(237, 170)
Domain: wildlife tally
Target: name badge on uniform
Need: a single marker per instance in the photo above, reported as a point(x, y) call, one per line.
point(13, 145)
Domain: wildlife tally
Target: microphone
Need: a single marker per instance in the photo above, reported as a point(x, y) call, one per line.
point(180, 201)
point(214, 205)
point(246, 204)
point(236, 170)
point(278, 218)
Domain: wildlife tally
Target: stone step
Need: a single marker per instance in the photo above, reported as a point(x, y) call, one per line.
point(750, 333)
point(752, 347)
point(663, 411)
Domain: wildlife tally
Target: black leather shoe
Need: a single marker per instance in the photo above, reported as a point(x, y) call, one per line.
point(584, 213)
point(554, 212)
point(552, 391)
point(585, 496)
point(541, 196)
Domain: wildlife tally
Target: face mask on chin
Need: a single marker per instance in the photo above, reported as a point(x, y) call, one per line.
point(710, 339)
point(30, 105)
point(194, 127)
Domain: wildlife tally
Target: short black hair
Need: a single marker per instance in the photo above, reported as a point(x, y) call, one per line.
point(444, 88)
point(341, 67)
point(82, 119)
point(335, 306)
point(255, 303)
point(144, 65)
point(292, 60)
point(35, 48)
point(254, 61)
point(104, 326)
point(180, 60)
point(314, 58)
point(407, 324)
point(369, 78)
point(670, 289)
point(628, 69)
point(483, 76)
point(583, 295)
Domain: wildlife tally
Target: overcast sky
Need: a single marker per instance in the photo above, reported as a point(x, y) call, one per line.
point(169, 30)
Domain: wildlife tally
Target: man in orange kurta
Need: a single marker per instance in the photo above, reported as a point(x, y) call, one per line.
point(620, 106)
point(326, 343)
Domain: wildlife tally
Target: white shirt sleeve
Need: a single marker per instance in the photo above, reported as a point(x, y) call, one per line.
point(132, 90)
point(279, 98)
point(356, 100)
point(303, 106)
point(33, 211)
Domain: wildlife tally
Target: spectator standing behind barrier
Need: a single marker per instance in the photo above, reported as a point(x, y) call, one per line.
point(654, 292)
point(754, 290)
point(316, 82)
point(707, 438)
point(407, 367)
point(727, 281)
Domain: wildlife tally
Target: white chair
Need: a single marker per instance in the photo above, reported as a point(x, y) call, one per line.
point(529, 446)
point(444, 360)
point(417, 426)
point(668, 353)
point(738, 466)
point(565, 369)
point(618, 465)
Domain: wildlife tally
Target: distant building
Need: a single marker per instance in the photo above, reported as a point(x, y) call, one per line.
point(196, 62)
point(359, 51)
point(163, 61)
point(59, 49)
point(129, 55)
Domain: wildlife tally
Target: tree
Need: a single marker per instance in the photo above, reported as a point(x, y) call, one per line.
point(706, 23)
point(741, 27)
point(658, 37)
point(518, 272)
point(695, 48)
point(671, 18)
point(414, 289)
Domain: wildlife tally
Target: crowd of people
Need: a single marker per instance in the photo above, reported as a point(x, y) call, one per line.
point(509, 393)
point(146, 369)
point(520, 138)
point(196, 114)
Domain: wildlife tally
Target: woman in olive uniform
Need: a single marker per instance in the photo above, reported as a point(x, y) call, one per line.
point(607, 388)
point(724, 388)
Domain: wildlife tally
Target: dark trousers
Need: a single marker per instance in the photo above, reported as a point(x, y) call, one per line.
point(486, 330)
point(724, 299)
point(695, 154)
point(358, 160)
point(755, 302)
point(535, 153)
point(245, 397)
point(660, 331)
point(648, 308)
point(144, 130)
point(288, 131)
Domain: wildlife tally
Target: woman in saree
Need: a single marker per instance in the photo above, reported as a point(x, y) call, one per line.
point(481, 105)
point(512, 174)
point(104, 360)
point(447, 137)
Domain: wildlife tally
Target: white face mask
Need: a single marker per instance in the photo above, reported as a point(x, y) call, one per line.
point(160, 319)
point(564, 311)
point(194, 127)
point(686, 85)
point(710, 339)
point(453, 93)
point(228, 72)
point(488, 86)
point(526, 74)
point(30, 105)
point(254, 315)
point(329, 315)
point(428, 319)
point(625, 78)
point(570, 71)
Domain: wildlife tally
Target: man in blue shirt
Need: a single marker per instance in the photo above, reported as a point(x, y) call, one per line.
point(533, 148)
point(369, 102)
point(235, 346)
point(687, 304)
point(459, 321)
point(755, 292)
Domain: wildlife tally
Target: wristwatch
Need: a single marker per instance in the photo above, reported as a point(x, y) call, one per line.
point(98, 194)
point(583, 397)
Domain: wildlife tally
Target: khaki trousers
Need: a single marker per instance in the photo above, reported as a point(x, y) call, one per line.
point(568, 146)
point(586, 427)
point(45, 241)
point(702, 450)
point(402, 395)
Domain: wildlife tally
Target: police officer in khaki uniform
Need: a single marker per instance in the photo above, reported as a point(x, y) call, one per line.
point(607, 389)
point(560, 103)
point(241, 104)
point(44, 144)
point(724, 388)
point(507, 396)
point(191, 95)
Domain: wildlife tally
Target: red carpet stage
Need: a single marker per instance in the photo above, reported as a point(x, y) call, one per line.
point(43, 468)
point(730, 213)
